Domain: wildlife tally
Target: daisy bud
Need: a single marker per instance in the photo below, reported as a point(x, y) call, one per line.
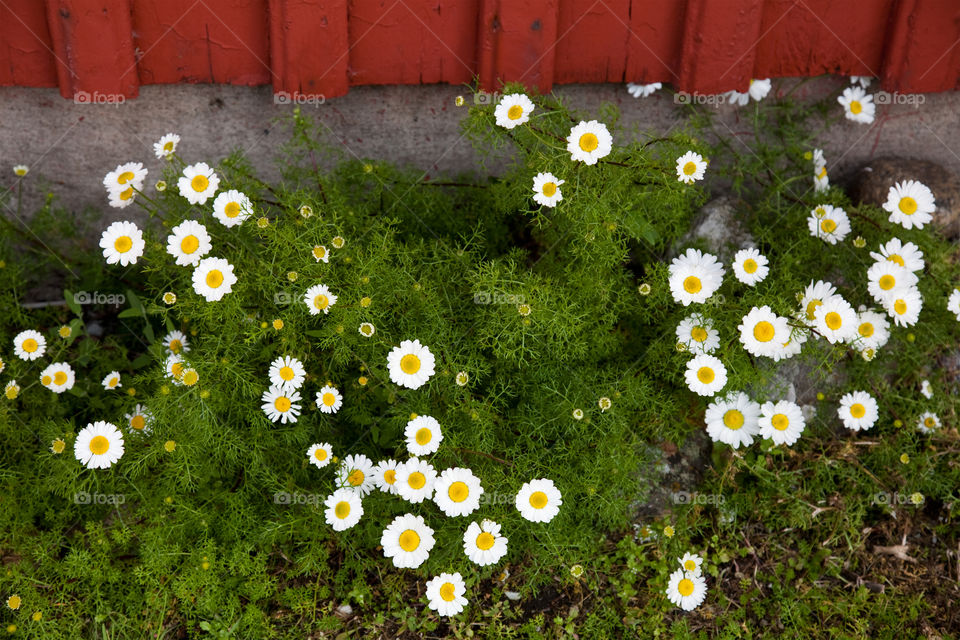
point(644, 289)
point(459, 101)
point(169, 297)
point(161, 185)
point(263, 223)
point(859, 242)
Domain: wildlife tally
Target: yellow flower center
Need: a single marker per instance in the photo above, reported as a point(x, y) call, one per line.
point(866, 330)
point(46, 380)
point(214, 278)
point(232, 210)
point(485, 541)
point(690, 168)
point(126, 194)
point(30, 345)
point(175, 345)
point(282, 404)
point(342, 510)
point(190, 377)
point(699, 334)
point(887, 282)
point(416, 480)
point(685, 587)
point(780, 422)
point(410, 364)
point(692, 284)
point(733, 419)
point(320, 454)
point(59, 378)
point(812, 308)
point(823, 173)
point(929, 423)
point(356, 478)
point(112, 382)
point(125, 177)
point(763, 331)
point(833, 320)
point(900, 307)
point(514, 112)
point(189, 244)
point(138, 422)
point(447, 591)
point(896, 258)
point(750, 265)
point(168, 146)
point(390, 475)
point(409, 540)
point(549, 188)
point(199, 183)
point(319, 252)
point(423, 436)
point(458, 491)
point(827, 225)
point(690, 565)
point(705, 375)
point(855, 107)
point(589, 142)
point(321, 301)
point(538, 500)
point(329, 399)
point(858, 410)
point(123, 244)
point(286, 373)
point(908, 205)
point(176, 369)
point(99, 445)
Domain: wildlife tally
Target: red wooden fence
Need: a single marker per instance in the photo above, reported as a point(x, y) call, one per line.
point(103, 48)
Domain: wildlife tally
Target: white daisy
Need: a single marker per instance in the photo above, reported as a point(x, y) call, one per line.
point(320, 254)
point(905, 307)
point(873, 330)
point(329, 399)
point(733, 420)
point(906, 255)
point(408, 540)
point(793, 346)
point(213, 278)
point(750, 266)
point(198, 183)
point(926, 389)
point(122, 243)
point(813, 297)
point(928, 422)
point(539, 500)
point(343, 509)
point(423, 435)
point(20, 170)
point(857, 105)
point(910, 204)
point(483, 543)
point(415, 480)
point(885, 279)
point(356, 472)
point(319, 298)
point(121, 199)
point(320, 454)
point(513, 110)
point(686, 590)
point(112, 381)
point(589, 141)
point(385, 475)
point(58, 377)
point(643, 90)
point(763, 333)
point(705, 375)
point(828, 223)
point(166, 146)
point(173, 368)
point(697, 334)
point(11, 390)
point(188, 242)
point(140, 419)
point(836, 320)
point(445, 594)
point(232, 207)
point(29, 345)
point(176, 342)
point(125, 176)
point(691, 563)
point(98, 445)
point(280, 404)
point(690, 167)
point(457, 492)
point(287, 372)
point(782, 422)
point(546, 189)
point(694, 276)
point(863, 81)
point(366, 329)
point(410, 364)
point(953, 303)
point(758, 91)
point(858, 410)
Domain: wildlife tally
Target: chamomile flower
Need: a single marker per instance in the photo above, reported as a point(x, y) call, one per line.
point(140, 419)
point(858, 410)
point(11, 390)
point(483, 543)
point(763, 333)
point(857, 105)
point(782, 422)
point(928, 422)
point(546, 189)
point(320, 454)
point(836, 320)
point(423, 435)
point(198, 183)
point(329, 399)
point(750, 266)
point(873, 330)
point(829, 223)
point(20, 170)
point(232, 207)
point(926, 389)
point(176, 342)
point(385, 475)
point(319, 298)
point(813, 296)
point(445, 594)
point(287, 372)
point(122, 243)
point(733, 420)
point(124, 180)
point(188, 242)
point(213, 278)
point(112, 381)
point(173, 368)
point(589, 141)
point(863, 81)
point(886, 279)
point(686, 590)
point(166, 146)
point(705, 375)
point(904, 307)
point(58, 377)
point(906, 255)
point(690, 167)
point(694, 276)
point(513, 110)
point(29, 345)
point(356, 472)
point(99, 445)
point(415, 480)
point(643, 90)
point(121, 199)
point(539, 500)
point(411, 364)
point(367, 329)
point(910, 204)
point(758, 91)
point(821, 181)
point(408, 541)
point(320, 254)
point(280, 404)
point(457, 492)
point(691, 563)
point(953, 303)
point(343, 509)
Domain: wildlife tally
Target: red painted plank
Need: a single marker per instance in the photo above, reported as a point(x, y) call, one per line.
point(404, 42)
point(592, 41)
point(26, 50)
point(656, 38)
point(221, 41)
point(93, 44)
point(719, 40)
point(308, 47)
point(923, 48)
point(516, 43)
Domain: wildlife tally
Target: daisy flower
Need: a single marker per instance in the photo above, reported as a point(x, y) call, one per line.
point(140, 419)
point(705, 375)
point(188, 242)
point(836, 320)
point(904, 307)
point(410, 364)
point(408, 541)
point(733, 420)
point(910, 204)
point(29, 345)
point(11, 390)
point(20, 170)
point(232, 207)
point(857, 105)
point(589, 141)
point(356, 473)
point(513, 110)
point(821, 182)
point(885, 280)
point(873, 330)
point(691, 563)
point(928, 422)
point(546, 189)
point(813, 296)
point(758, 91)
point(320, 454)
point(483, 543)
point(763, 333)
point(319, 298)
point(329, 399)
point(643, 90)
point(423, 435)
point(166, 146)
point(782, 422)
point(320, 254)
point(385, 475)
point(539, 500)
point(367, 329)
point(445, 594)
point(125, 176)
point(343, 509)
point(213, 278)
point(176, 342)
point(198, 183)
point(926, 389)
point(828, 223)
point(280, 404)
point(457, 492)
point(415, 480)
point(173, 367)
point(863, 81)
point(750, 266)
point(906, 255)
point(287, 372)
point(122, 243)
point(858, 410)
point(686, 590)
point(112, 381)
point(953, 303)
point(98, 445)
point(694, 276)
point(58, 377)
point(690, 167)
